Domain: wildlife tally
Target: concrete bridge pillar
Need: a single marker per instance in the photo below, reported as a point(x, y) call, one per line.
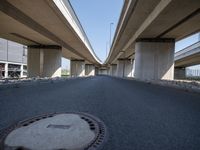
point(44, 61)
point(113, 70)
point(77, 68)
point(6, 70)
point(154, 59)
point(103, 71)
point(89, 70)
point(179, 73)
point(96, 70)
point(124, 68)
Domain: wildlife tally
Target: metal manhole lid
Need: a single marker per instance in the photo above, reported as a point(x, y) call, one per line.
point(55, 131)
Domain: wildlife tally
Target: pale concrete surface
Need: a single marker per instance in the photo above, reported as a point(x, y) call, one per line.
point(77, 68)
point(179, 73)
point(89, 70)
point(154, 60)
point(138, 115)
point(103, 71)
point(120, 68)
point(44, 62)
point(124, 68)
point(52, 63)
point(43, 135)
point(34, 67)
point(6, 70)
point(155, 19)
point(113, 70)
point(188, 56)
point(42, 22)
point(96, 70)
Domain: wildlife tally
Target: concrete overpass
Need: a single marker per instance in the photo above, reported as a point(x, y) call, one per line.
point(146, 35)
point(51, 30)
point(186, 57)
point(189, 56)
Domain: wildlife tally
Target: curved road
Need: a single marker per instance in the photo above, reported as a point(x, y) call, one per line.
point(138, 116)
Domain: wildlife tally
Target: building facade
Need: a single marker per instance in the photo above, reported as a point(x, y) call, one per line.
point(13, 59)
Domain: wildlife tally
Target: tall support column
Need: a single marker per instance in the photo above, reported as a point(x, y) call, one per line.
point(6, 70)
point(109, 70)
point(154, 59)
point(77, 68)
point(179, 73)
point(103, 71)
point(96, 71)
point(124, 68)
point(44, 61)
point(89, 70)
point(113, 70)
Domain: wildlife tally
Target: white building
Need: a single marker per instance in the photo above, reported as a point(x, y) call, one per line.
point(13, 59)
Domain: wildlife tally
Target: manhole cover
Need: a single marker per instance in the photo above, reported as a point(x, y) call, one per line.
point(57, 131)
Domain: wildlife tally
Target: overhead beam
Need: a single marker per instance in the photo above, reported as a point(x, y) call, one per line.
point(21, 17)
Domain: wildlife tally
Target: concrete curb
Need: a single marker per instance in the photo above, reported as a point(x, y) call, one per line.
point(33, 81)
point(190, 86)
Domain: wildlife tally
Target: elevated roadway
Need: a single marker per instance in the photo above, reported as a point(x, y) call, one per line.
point(186, 57)
point(50, 29)
point(147, 31)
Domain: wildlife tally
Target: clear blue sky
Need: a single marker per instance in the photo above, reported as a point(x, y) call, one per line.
point(187, 42)
point(95, 17)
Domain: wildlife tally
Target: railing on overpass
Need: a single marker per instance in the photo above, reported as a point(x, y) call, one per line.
point(69, 13)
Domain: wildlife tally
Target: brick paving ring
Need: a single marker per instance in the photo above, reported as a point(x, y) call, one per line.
point(55, 131)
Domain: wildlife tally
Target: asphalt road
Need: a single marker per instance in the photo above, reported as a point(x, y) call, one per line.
point(139, 116)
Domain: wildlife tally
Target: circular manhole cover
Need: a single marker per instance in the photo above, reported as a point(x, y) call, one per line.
point(57, 131)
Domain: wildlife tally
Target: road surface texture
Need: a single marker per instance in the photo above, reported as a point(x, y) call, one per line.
point(138, 116)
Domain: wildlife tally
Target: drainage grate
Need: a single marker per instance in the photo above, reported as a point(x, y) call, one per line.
point(81, 131)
